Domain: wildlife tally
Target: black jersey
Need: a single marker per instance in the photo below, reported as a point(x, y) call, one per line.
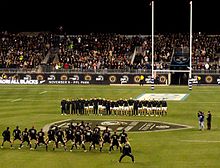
point(32, 133)
point(88, 135)
point(130, 102)
point(106, 135)
point(96, 130)
point(63, 104)
point(25, 136)
point(115, 138)
point(60, 135)
point(40, 136)
point(123, 137)
point(51, 135)
point(17, 133)
point(69, 134)
point(6, 134)
point(126, 149)
point(96, 138)
point(164, 103)
point(78, 135)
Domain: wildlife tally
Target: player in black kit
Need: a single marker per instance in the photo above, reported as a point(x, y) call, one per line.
point(126, 152)
point(114, 141)
point(105, 138)
point(69, 134)
point(17, 135)
point(96, 137)
point(60, 138)
point(32, 136)
point(25, 137)
point(63, 106)
point(87, 137)
point(6, 136)
point(123, 137)
point(51, 137)
point(40, 139)
point(78, 138)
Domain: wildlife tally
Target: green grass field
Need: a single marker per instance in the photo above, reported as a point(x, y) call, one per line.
point(39, 105)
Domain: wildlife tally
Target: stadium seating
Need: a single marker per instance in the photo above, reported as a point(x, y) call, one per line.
point(93, 52)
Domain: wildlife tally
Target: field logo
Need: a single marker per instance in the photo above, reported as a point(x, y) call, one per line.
point(119, 125)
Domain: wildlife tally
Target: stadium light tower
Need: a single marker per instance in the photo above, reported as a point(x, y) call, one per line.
point(152, 41)
point(190, 49)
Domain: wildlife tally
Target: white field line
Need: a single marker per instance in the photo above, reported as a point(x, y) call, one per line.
point(15, 100)
point(200, 141)
point(43, 92)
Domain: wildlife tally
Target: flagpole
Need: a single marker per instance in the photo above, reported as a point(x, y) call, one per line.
point(152, 40)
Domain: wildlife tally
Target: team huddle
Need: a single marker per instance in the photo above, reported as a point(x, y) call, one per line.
point(100, 106)
point(79, 136)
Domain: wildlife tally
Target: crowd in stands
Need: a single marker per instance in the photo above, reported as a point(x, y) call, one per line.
point(23, 50)
point(104, 51)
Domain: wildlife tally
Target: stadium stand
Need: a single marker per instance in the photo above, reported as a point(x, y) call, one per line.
point(93, 52)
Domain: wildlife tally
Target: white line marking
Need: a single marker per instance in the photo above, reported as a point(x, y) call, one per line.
point(16, 100)
point(46, 127)
point(142, 126)
point(152, 126)
point(203, 141)
point(43, 92)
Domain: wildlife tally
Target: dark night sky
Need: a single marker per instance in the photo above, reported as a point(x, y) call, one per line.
point(120, 16)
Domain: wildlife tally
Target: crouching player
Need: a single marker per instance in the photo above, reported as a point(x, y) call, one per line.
point(32, 136)
point(24, 137)
point(87, 138)
point(114, 141)
point(96, 138)
point(40, 139)
point(126, 152)
point(17, 135)
point(69, 135)
point(106, 138)
point(60, 138)
point(51, 137)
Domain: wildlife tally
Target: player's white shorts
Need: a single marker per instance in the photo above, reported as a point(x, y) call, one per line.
point(164, 108)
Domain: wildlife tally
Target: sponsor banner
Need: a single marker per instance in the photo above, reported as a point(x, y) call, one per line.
point(91, 78)
point(19, 82)
point(218, 81)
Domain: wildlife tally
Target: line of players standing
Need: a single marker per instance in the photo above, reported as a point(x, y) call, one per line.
point(79, 135)
point(100, 106)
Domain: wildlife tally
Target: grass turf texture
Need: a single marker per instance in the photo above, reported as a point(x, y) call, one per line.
point(29, 105)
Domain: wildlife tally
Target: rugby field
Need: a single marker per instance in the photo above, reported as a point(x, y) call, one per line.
point(39, 105)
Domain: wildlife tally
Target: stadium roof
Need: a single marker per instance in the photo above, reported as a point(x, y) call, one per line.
point(120, 16)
